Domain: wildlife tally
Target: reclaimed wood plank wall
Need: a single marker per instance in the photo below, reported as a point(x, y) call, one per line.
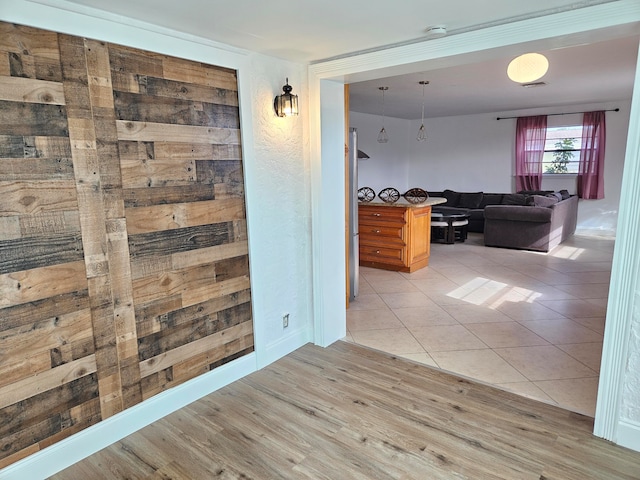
point(124, 264)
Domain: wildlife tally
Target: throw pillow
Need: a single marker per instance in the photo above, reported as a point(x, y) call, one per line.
point(565, 194)
point(452, 198)
point(470, 200)
point(514, 199)
point(543, 201)
point(556, 195)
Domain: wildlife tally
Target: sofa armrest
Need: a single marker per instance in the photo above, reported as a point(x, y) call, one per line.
point(518, 213)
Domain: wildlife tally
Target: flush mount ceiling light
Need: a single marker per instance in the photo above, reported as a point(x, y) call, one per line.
point(286, 105)
point(528, 67)
point(422, 133)
point(382, 136)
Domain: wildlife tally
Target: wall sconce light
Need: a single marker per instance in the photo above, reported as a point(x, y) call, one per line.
point(528, 67)
point(286, 104)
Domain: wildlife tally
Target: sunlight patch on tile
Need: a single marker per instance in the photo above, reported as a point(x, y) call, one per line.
point(567, 252)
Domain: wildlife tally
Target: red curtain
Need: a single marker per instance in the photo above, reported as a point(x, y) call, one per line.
point(591, 169)
point(531, 134)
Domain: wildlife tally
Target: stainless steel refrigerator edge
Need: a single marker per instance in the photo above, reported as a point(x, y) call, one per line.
point(354, 243)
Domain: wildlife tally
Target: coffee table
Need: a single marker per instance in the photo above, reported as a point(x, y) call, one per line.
point(447, 228)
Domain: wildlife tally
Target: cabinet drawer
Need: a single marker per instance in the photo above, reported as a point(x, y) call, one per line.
point(368, 213)
point(372, 231)
point(393, 256)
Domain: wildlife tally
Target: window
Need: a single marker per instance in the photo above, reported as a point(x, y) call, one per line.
point(562, 150)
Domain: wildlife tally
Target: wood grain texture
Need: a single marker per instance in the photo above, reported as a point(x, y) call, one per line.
point(123, 247)
point(349, 412)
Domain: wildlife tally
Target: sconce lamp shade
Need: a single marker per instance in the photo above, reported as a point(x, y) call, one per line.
point(528, 67)
point(286, 104)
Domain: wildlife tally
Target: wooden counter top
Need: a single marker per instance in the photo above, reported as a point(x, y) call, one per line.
point(404, 204)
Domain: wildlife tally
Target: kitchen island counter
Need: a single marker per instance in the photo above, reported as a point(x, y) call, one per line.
point(395, 236)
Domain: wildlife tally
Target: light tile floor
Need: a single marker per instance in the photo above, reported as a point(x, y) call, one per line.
point(527, 322)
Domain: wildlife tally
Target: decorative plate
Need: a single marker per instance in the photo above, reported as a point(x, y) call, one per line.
point(366, 194)
point(415, 195)
point(389, 195)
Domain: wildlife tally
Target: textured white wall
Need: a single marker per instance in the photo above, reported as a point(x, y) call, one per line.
point(278, 203)
point(475, 153)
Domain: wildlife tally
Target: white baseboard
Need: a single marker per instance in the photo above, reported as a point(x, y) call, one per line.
point(629, 435)
point(73, 449)
point(284, 346)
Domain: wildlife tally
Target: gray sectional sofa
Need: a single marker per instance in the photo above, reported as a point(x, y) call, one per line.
point(530, 220)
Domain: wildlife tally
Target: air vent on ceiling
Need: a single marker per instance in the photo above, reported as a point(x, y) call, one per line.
point(534, 84)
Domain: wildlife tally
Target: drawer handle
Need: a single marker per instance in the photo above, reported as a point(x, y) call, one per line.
point(376, 214)
point(378, 252)
point(375, 231)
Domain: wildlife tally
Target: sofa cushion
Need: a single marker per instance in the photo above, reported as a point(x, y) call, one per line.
point(535, 192)
point(452, 198)
point(544, 201)
point(518, 213)
point(491, 199)
point(515, 199)
point(470, 200)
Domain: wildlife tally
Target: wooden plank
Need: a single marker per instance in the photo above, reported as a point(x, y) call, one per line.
point(197, 151)
point(57, 400)
point(230, 268)
point(181, 215)
point(130, 60)
point(149, 322)
point(153, 287)
point(148, 196)
point(11, 372)
point(44, 381)
point(5, 67)
point(157, 173)
point(177, 334)
point(147, 313)
point(28, 40)
point(10, 227)
point(32, 197)
point(20, 118)
point(57, 425)
point(227, 172)
point(49, 223)
point(209, 254)
point(155, 132)
point(34, 252)
point(219, 289)
point(161, 87)
point(21, 342)
point(39, 283)
point(145, 108)
point(192, 72)
point(166, 359)
point(178, 240)
point(39, 310)
point(31, 91)
point(145, 266)
point(30, 169)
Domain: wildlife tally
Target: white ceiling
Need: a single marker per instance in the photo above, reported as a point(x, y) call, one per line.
point(312, 30)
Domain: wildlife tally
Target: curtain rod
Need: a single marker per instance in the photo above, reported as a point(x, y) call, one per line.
point(553, 114)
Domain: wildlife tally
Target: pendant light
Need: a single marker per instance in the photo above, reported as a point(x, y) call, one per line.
point(382, 136)
point(422, 133)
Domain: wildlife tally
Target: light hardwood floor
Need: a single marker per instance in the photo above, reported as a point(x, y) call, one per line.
point(349, 412)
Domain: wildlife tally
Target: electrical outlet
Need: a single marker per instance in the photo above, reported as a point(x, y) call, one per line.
point(285, 320)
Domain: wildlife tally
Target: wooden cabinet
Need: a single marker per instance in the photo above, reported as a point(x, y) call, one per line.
point(394, 237)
